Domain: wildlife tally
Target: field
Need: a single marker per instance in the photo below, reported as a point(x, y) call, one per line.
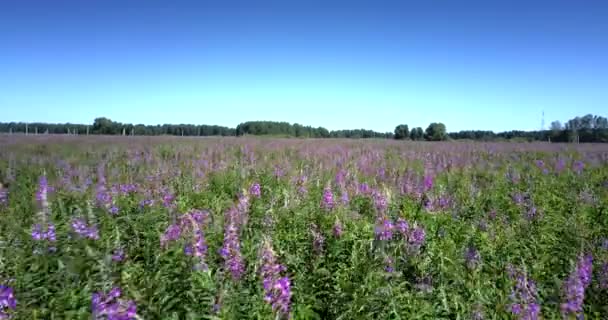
point(252, 228)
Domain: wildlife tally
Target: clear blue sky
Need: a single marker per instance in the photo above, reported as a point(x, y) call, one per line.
point(355, 64)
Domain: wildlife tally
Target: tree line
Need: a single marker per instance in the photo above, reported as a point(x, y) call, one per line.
point(588, 128)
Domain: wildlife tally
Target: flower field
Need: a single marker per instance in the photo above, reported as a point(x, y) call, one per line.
point(244, 228)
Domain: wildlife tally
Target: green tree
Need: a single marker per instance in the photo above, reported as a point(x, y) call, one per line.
point(402, 132)
point(436, 131)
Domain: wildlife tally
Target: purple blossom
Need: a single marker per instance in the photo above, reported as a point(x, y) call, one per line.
point(172, 233)
point(328, 199)
point(380, 202)
point(575, 286)
point(417, 236)
point(428, 182)
point(118, 255)
point(255, 190)
point(477, 313)
point(318, 239)
point(578, 166)
point(81, 228)
point(472, 258)
point(3, 195)
point(364, 188)
point(384, 228)
point(110, 306)
point(231, 249)
point(389, 264)
point(403, 227)
point(277, 289)
point(338, 229)
point(43, 188)
point(7, 301)
point(39, 234)
point(344, 197)
point(524, 304)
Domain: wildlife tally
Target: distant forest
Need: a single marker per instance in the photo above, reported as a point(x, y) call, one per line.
point(588, 128)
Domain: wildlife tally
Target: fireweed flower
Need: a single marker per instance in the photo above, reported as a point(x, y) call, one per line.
point(524, 304)
point(231, 249)
point(403, 227)
point(384, 228)
point(328, 199)
point(575, 286)
point(255, 190)
point(318, 239)
point(111, 306)
point(81, 228)
point(338, 229)
point(118, 255)
point(7, 301)
point(3, 195)
point(578, 166)
point(428, 182)
point(380, 201)
point(472, 258)
point(277, 289)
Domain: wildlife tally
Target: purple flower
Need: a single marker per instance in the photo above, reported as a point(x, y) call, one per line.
point(364, 188)
point(472, 257)
point(384, 228)
point(575, 286)
point(231, 249)
point(380, 202)
point(7, 301)
point(172, 233)
point(328, 199)
point(338, 229)
point(428, 182)
point(110, 306)
point(477, 313)
point(318, 240)
point(277, 289)
point(417, 236)
point(43, 188)
point(578, 166)
point(523, 297)
point(81, 228)
point(403, 227)
point(118, 255)
point(255, 190)
point(344, 197)
point(389, 265)
point(3, 195)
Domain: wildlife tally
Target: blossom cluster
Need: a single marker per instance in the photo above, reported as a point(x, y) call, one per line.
point(524, 298)
point(110, 306)
point(7, 301)
point(575, 286)
point(277, 288)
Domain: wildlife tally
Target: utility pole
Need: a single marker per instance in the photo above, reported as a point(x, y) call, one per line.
point(26, 129)
point(87, 130)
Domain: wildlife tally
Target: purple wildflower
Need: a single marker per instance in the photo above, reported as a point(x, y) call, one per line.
point(389, 264)
point(575, 286)
point(472, 258)
point(231, 249)
point(172, 233)
point(277, 289)
point(328, 199)
point(318, 239)
point(403, 227)
point(417, 236)
point(110, 306)
point(384, 228)
point(81, 228)
point(118, 255)
point(7, 301)
point(477, 313)
point(524, 303)
point(380, 202)
point(578, 166)
point(255, 190)
point(344, 197)
point(364, 188)
point(428, 182)
point(3, 195)
point(338, 229)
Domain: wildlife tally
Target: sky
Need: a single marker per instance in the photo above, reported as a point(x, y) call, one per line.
point(485, 65)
